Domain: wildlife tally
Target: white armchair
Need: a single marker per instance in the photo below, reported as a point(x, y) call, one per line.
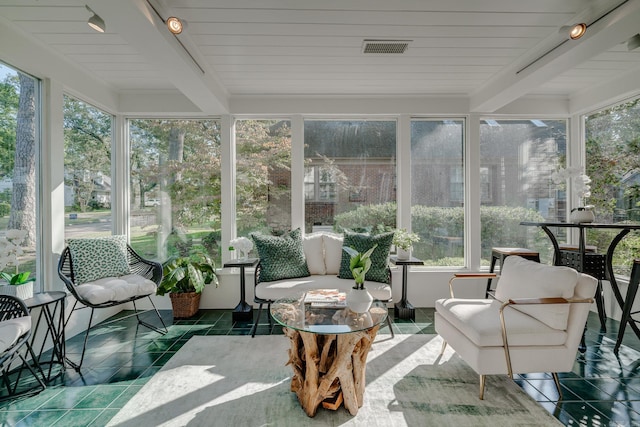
point(534, 324)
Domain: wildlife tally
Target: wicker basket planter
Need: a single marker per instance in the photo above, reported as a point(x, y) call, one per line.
point(184, 305)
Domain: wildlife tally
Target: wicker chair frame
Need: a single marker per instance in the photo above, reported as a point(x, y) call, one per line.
point(137, 265)
point(11, 308)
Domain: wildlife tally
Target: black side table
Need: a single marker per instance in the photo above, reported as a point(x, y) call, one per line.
point(403, 309)
point(52, 309)
point(243, 311)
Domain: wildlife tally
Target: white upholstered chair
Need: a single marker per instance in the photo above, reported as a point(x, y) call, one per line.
point(535, 324)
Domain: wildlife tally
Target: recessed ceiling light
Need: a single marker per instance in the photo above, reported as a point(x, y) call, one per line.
point(175, 25)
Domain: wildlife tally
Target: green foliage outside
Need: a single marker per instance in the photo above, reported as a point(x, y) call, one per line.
point(438, 227)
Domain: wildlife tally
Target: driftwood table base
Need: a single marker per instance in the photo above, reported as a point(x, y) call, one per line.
point(329, 368)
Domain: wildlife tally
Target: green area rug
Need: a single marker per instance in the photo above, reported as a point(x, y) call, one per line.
point(240, 381)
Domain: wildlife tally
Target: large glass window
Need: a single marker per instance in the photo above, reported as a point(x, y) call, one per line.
point(350, 175)
point(613, 164)
point(437, 190)
point(263, 176)
point(87, 170)
point(19, 138)
point(517, 159)
point(175, 187)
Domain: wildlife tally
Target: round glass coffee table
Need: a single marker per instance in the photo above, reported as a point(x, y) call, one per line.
point(329, 347)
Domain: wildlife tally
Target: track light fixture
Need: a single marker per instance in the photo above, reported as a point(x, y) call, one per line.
point(96, 22)
point(175, 25)
point(633, 42)
point(574, 31)
point(577, 31)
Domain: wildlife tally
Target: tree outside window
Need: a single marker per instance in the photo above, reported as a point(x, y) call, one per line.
point(19, 103)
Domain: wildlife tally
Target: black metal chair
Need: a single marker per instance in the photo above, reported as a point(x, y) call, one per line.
point(627, 313)
point(261, 302)
point(13, 308)
point(137, 265)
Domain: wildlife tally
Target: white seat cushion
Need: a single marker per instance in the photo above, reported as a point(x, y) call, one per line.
point(112, 289)
point(314, 253)
point(11, 330)
point(283, 288)
point(479, 320)
point(522, 278)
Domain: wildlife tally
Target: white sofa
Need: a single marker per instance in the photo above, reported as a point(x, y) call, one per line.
point(545, 311)
point(323, 253)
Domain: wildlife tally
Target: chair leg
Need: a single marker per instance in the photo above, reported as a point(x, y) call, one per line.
point(254, 328)
point(4, 368)
point(600, 304)
point(390, 327)
point(632, 290)
point(492, 268)
point(557, 381)
point(33, 372)
point(78, 366)
point(148, 325)
point(444, 347)
point(482, 378)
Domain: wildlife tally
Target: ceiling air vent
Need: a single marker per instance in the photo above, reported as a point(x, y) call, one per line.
point(385, 46)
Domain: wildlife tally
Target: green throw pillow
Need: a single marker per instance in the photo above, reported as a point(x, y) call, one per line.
point(98, 257)
point(281, 257)
point(362, 242)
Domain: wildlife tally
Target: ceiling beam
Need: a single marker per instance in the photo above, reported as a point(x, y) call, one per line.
point(138, 24)
point(523, 77)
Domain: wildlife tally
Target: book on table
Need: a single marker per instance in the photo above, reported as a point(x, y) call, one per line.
point(326, 298)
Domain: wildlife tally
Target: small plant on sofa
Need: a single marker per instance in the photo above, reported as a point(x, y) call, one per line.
point(359, 264)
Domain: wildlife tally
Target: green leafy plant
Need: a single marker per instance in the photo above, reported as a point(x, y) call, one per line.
point(10, 250)
point(403, 239)
point(187, 274)
point(359, 264)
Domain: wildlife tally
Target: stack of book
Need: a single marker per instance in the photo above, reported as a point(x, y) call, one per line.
point(326, 298)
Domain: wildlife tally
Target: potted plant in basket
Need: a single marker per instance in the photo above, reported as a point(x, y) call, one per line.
point(184, 278)
point(359, 299)
point(18, 284)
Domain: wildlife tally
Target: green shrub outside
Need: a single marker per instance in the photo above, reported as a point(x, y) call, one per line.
point(5, 209)
point(441, 230)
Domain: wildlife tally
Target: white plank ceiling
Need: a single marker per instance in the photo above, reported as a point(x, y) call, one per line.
point(491, 51)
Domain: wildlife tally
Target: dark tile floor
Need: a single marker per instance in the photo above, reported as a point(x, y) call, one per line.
point(602, 389)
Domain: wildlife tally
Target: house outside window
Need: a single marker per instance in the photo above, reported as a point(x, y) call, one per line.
point(87, 169)
point(350, 178)
point(320, 184)
point(517, 159)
